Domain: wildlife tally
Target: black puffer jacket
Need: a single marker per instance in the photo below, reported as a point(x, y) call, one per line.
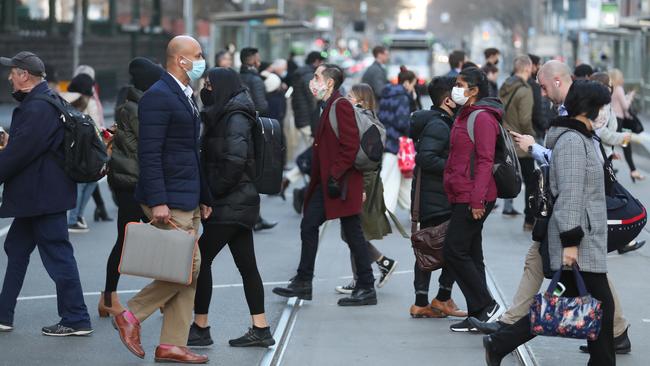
point(302, 101)
point(253, 81)
point(123, 167)
point(430, 131)
point(228, 163)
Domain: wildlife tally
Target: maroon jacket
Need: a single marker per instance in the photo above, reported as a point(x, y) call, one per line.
point(459, 184)
point(335, 157)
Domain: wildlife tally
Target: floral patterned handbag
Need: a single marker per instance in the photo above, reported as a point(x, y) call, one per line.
point(571, 317)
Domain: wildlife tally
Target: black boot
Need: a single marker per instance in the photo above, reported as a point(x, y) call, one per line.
point(360, 297)
point(262, 224)
point(255, 337)
point(101, 214)
point(491, 358)
point(296, 288)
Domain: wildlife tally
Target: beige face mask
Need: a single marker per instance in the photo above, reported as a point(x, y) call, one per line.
point(602, 119)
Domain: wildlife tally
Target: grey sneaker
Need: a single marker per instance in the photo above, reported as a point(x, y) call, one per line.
point(347, 289)
point(58, 330)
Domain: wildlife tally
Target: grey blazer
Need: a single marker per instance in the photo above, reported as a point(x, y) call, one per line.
point(376, 77)
point(577, 181)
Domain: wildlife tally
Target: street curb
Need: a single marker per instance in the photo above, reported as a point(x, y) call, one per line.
point(524, 353)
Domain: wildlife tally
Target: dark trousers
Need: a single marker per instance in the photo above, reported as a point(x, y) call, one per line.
point(313, 218)
point(97, 197)
point(528, 174)
point(627, 150)
point(128, 210)
point(464, 256)
point(600, 350)
point(422, 279)
point(50, 234)
point(240, 241)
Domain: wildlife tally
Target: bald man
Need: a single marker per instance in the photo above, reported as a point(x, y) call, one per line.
point(172, 194)
point(555, 81)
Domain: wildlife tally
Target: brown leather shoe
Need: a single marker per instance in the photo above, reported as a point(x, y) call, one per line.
point(129, 333)
point(425, 312)
point(178, 354)
point(448, 307)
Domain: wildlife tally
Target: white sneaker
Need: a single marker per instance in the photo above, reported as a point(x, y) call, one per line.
point(6, 328)
point(347, 289)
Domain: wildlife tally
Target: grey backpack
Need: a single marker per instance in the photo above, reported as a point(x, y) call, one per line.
point(372, 136)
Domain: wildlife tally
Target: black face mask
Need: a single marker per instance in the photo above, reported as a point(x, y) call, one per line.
point(19, 95)
point(206, 97)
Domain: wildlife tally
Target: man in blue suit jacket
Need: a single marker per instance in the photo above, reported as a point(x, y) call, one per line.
point(173, 193)
point(37, 193)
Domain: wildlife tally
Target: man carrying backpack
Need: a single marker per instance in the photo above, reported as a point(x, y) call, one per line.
point(335, 192)
point(37, 193)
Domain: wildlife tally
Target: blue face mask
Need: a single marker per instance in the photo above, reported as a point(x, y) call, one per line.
point(198, 67)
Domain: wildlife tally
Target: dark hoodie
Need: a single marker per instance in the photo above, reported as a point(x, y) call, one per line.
point(460, 185)
point(394, 112)
point(228, 162)
point(430, 131)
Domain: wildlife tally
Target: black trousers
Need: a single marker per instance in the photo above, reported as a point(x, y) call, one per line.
point(528, 174)
point(240, 241)
point(464, 256)
point(97, 197)
point(128, 210)
point(313, 218)
point(627, 150)
point(602, 350)
point(422, 279)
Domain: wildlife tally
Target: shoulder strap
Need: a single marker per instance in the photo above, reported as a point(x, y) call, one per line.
point(511, 97)
point(471, 121)
point(55, 101)
point(415, 213)
point(333, 120)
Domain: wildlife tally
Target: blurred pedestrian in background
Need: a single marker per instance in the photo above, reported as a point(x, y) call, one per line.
point(223, 58)
point(456, 61)
point(376, 75)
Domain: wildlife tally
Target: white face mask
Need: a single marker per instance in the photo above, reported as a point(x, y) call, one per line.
point(602, 119)
point(458, 95)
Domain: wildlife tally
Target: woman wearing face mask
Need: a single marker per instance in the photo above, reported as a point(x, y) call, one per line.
point(395, 107)
point(471, 191)
point(577, 232)
point(374, 223)
point(227, 160)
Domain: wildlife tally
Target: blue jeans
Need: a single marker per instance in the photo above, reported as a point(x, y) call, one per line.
point(50, 234)
point(84, 192)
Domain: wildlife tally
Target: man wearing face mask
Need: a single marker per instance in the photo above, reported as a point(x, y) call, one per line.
point(172, 190)
point(335, 192)
point(37, 194)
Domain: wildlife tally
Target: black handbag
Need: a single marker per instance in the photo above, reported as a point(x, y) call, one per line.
point(626, 217)
point(427, 243)
point(632, 122)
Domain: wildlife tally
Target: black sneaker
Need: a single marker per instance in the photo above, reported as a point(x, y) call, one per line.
point(77, 228)
point(463, 326)
point(82, 222)
point(387, 267)
point(511, 212)
point(347, 289)
point(255, 337)
point(199, 337)
point(296, 288)
point(6, 327)
point(490, 313)
point(58, 330)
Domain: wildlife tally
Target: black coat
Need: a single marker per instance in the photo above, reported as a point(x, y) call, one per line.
point(228, 163)
point(430, 131)
point(31, 164)
point(123, 167)
point(303, 102)
point(253, 81)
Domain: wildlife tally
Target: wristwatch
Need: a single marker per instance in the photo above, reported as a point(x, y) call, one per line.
point(530, 149)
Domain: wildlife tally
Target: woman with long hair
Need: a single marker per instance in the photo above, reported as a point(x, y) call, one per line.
point(228, 162)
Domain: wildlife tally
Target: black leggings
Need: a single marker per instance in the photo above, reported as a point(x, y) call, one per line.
point(240, 242)
point(627, 150)
point(128, 210)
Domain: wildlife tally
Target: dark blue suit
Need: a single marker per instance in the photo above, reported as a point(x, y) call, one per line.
point(37, 192)
point(168, 148)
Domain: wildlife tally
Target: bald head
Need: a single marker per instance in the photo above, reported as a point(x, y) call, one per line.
point(554, 78)
point(182, 51)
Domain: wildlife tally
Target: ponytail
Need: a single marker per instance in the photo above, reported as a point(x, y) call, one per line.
point(405, 75)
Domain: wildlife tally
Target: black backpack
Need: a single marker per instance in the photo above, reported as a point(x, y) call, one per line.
point(269, 150)
point(506, 169)
point(85, 156)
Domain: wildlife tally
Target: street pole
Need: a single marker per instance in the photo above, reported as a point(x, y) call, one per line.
point(246, 6)
point(188, 16)
point(77, 39)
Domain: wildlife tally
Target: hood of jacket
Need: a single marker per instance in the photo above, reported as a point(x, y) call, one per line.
point(392, 90)
point(134, 94)
point(420, 119)
point(491, 105)
point(562, 124)
point(511, 85)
